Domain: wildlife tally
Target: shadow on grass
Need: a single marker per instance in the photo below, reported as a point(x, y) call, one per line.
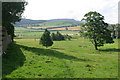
point(58, 48)
point(110, 50)
point(62, 79)
point(49, 52)
point(13, 59)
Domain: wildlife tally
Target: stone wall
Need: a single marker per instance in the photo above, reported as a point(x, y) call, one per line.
point(0, 40)
point(6, 39)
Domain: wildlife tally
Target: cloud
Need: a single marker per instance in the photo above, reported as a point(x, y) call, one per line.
point(52, 9)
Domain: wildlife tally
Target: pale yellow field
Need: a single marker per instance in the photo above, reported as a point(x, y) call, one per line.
point(69, 28)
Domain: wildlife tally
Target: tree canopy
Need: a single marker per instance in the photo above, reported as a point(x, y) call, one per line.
point(11, 13)
point(57, 37)
point(96, 29)
point(46, 39)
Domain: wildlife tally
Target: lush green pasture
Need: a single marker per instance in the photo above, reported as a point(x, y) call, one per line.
point(25, 33)
point(65, 59)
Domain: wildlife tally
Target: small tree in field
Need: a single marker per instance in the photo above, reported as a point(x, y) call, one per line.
point(53, 35)
point(46, 40)
point(96, 29)
point(59, 36)
point(67, 37)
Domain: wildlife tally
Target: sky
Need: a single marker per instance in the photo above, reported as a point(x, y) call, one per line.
point(71, 9)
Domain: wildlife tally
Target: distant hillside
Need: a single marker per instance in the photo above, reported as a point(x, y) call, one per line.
point(43, 23)
point(28, 22)
point(69, 20)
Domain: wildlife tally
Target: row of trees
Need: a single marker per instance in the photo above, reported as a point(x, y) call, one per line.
point(115, 30)
point(57, 37)
point(47, 39)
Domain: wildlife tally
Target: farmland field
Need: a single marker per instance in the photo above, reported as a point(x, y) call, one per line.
point(65, 59)
point(26, 33)
point(59, 40)
point(75, 58)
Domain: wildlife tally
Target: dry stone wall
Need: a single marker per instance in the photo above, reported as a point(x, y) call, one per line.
point(0, 40)
point(6, 39)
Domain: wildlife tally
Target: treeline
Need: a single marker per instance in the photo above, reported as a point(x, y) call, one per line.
point(47, 39)
point(115, 30)
point(59, 37)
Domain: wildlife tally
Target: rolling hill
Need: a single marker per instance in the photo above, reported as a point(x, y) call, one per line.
point(44, 23)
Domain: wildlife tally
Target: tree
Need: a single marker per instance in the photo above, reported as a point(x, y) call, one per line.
point(53, 35)
point(66, 29)
point(95, 29)
point(11, 13)
point(46, 39)
point(67, 37)
point(117, 31)
point(112, 29)
point(59, 36)
point(10, 31)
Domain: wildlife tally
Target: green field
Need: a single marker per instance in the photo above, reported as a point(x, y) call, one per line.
point(76, 58)
point(25, 33)
point(65, 59)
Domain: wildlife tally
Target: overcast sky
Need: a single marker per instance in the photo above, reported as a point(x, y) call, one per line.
point(71, 9)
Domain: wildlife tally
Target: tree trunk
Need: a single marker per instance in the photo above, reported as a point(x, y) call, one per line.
point(95, 45)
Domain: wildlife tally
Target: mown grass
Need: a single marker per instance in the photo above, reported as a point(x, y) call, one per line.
point(65, 59)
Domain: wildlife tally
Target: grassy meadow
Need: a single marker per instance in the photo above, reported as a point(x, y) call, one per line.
point(76, 58)
point(25, 58)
